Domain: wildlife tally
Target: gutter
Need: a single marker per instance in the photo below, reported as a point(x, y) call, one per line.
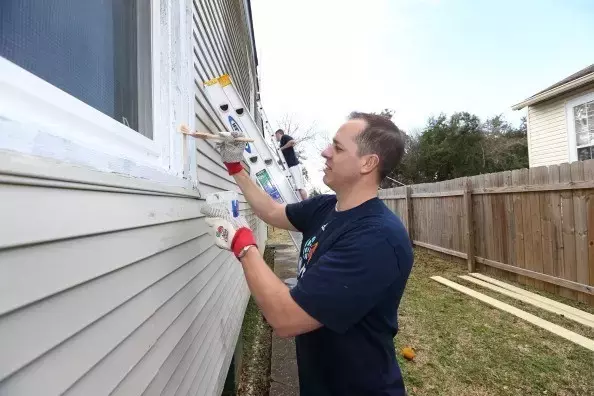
point(555, 91)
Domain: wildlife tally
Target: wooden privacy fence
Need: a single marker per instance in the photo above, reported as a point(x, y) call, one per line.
point(528, 225)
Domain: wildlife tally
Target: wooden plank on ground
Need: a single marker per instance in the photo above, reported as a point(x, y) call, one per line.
point(528, 300)
point(568, 230)
point(518, 290)
point(535, 320)
point(580, 215)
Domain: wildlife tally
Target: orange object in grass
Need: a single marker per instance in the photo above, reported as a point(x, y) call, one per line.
point(408, 353)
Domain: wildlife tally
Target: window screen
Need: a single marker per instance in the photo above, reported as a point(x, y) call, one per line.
point(583, 119)
point(89, 49)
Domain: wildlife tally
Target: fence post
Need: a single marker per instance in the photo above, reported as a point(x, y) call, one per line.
point(409, 212)
point(469, 226)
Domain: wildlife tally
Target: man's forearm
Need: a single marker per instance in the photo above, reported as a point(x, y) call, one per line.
point(268, 290)
point(274, 299)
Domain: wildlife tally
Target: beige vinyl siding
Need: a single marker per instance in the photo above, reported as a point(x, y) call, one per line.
point(547, 129)
point(117, 288)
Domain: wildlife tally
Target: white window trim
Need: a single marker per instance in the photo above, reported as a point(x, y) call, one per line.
point(39, 119)
point(570, 124)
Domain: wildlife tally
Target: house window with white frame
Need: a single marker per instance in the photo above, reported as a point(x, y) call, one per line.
point(579, 114)
point(96, 51)
point(583, 125)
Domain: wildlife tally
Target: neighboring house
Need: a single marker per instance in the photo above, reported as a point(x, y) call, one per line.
point(109, 282)
point(561, 120)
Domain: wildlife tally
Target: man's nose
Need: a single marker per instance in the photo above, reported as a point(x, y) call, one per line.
point(327, 153)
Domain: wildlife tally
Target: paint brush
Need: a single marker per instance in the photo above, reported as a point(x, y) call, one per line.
point(205, 135)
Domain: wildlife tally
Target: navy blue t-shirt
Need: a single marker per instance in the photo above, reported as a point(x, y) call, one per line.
point(289, 152)
point(353, 267)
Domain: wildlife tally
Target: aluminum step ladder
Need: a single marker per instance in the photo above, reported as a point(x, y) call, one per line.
point(264, 166)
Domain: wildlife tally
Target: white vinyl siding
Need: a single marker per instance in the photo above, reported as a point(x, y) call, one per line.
point(113, 291)
point(548, 130)
point(110, 284)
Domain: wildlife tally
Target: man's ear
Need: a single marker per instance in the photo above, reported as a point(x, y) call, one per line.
point(370, 163)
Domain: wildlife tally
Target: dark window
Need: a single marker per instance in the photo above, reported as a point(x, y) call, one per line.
point(95, 50)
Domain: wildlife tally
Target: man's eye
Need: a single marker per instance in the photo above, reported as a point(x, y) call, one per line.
point(337, 148)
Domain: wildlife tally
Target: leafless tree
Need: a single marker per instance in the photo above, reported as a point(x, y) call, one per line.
point(297, 131)
point(308, 136)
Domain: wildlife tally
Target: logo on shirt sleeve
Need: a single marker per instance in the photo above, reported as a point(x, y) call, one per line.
point(311, 252)
point(306, 254)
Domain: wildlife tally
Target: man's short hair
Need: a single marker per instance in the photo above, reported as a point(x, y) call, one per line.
point(280, 131)
point(381, 137)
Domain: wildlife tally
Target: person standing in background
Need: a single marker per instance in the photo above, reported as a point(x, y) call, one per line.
point(287, 144)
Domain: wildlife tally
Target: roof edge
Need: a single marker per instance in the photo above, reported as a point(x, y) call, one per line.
point(554, 91)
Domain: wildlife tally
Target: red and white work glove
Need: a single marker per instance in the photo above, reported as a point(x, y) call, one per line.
point(232, 151)
point(230, 233)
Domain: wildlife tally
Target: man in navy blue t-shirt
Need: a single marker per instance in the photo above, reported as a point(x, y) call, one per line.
point(353, 265)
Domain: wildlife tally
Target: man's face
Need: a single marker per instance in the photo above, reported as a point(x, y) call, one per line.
point(278, 136)
point(343, 164)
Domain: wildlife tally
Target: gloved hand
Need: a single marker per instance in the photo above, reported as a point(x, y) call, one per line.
point(231, 151)
point(230, 233)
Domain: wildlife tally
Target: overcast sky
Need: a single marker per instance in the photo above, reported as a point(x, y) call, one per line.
point(322, 59)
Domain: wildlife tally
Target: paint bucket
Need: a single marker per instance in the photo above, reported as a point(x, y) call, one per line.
point(226, 201)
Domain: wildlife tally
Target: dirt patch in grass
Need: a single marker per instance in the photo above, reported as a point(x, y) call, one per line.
point(466, 347)
point(257, 343)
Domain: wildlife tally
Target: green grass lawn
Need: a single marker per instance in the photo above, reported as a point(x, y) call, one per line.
point(466, 347)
